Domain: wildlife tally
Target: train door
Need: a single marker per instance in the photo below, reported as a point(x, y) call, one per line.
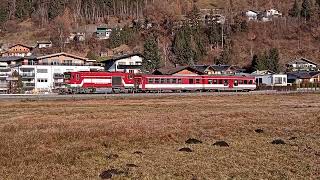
point(116, 82)
point(231, 83)
point(137, 83)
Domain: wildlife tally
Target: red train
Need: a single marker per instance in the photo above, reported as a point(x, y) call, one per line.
point(91, 82)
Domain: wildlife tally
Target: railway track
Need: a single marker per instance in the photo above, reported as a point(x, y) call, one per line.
point(138, 95)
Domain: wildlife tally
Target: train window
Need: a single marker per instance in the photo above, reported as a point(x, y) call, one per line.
point(215, 81)
point(130, 77)
point(197, 81)
point(225, 82)
point(220, 81)
point(245, 82)
point(150, 81)
point(236, 83)
point(179, 81)
point(156, 81)
point(241, 82)
point(250, 82)
point(162, 81)
point(210, 81)
point(174, 81)
point(78, 77)
point(191, 81)
point(168, 81)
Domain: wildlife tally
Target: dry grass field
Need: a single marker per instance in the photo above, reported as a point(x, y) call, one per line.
point(141, 138)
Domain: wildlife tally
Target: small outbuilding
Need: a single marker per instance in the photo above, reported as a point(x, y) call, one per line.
point(269, 78)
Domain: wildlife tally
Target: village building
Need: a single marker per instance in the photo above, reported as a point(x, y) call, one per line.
point(5, 72)
point(304, 77)
point(19, 50)
point(103, 32)
point(269, 78)
point(179, 71)
point(45, 73)
point(252, 15)
point(44, 44)
point(131, 63)
point(302, 64)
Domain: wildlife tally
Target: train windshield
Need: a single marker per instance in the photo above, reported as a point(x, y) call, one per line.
point(67, 76)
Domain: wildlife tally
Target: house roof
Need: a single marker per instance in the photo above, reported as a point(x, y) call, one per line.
point(62, 54)
point(44, 42)
point(170, 71)
point(299, 75)
point(264, 72)
point(11, 58)
point(20, 45)
point(121, 57)
point(202, 68)
point(301, 60)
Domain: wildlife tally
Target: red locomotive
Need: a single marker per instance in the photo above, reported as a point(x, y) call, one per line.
point(90, 82)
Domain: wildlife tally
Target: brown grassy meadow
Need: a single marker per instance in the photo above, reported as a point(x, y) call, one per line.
point(81, 139)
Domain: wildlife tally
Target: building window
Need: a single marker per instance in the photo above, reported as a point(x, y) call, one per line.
point(225, 82)
point(156, 81)
point(42, 70)
point(197, 81)
point(150, 81)
point(42, 80)
point(236, 83)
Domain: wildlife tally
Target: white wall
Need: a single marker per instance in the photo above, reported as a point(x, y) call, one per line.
point(43, 72)
point(134, 60)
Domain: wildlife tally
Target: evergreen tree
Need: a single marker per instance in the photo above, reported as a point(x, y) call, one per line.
point(151, 54)
point(306, 11)
point(115, 38)
point(273, 64)
point(182, 47)
point(294, 11)
point(254, 62)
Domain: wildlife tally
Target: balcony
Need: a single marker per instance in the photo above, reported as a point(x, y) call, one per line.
point(27, 75)
point(29, 85)
point(129, 66)
point(58, 76)
point(3, 85)
point(58, 84)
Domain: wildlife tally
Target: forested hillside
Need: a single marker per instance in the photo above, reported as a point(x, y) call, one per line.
point(295, 34)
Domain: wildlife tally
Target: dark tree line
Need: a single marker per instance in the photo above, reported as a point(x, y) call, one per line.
point(42, 11)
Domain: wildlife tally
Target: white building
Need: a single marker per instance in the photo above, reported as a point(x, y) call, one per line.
point(269, 78)
point(5, 72)
point(273, 13)
point(45, 78)
point(252, 15)
point(45, 73)
point(44, 44)
point(302, 64)
point(128, 63)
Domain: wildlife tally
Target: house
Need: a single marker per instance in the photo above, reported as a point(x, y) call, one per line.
point(304, 77)
point(178, 71)
point(5, 72)
point(18, 50)
point(205, 69)
point(226, 69)
point(301, 64)
point(131, 63)
point(76, 36)
point(103, 32)
point(252, 15)
point(269, 78)
point(45, 73)
point(44, 44)
point(273, 13)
